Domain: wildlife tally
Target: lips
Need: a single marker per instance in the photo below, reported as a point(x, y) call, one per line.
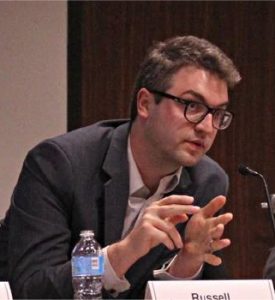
point(197, 143)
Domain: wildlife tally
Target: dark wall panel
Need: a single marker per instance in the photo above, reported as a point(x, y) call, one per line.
point(107, 42)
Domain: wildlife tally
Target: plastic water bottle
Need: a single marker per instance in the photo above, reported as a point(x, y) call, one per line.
point(87, 267)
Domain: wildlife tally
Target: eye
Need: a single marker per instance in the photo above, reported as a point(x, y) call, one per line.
point(195, 107)
point(222, 117)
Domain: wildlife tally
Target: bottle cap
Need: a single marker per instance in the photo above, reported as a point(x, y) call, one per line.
point(87, 233)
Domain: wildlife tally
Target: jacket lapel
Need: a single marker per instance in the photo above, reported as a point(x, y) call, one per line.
point(117, 187)
point(183, 185)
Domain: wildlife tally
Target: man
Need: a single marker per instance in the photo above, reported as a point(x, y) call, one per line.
point(145, 187)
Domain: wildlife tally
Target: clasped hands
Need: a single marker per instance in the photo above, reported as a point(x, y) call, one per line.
point(203, 234)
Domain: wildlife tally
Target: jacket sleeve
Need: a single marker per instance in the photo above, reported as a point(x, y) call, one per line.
point(40, 238)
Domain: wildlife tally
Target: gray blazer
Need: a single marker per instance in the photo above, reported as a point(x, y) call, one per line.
point(80, 181)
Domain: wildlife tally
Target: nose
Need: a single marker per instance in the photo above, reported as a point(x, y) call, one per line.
point(206, 125)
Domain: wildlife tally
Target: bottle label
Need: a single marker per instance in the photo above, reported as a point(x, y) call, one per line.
point(87, 265)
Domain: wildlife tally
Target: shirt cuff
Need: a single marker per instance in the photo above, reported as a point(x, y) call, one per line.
point(163, 273)
point(111, 281)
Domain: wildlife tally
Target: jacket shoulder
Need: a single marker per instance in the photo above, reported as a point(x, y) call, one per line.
point(90, 141)
point(210, 177)
point(211, 166)
point(89, 135)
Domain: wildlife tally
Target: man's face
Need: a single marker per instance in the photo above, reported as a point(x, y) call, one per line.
point(172, 138)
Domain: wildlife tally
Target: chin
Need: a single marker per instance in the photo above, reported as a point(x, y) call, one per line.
point(190, 161)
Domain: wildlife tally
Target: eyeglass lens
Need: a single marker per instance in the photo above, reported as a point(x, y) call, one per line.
point(195, 112)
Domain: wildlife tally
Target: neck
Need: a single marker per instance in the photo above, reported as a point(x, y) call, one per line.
point(151, 167)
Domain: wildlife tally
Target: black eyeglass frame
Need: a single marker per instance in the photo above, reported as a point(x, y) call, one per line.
point(186, 102)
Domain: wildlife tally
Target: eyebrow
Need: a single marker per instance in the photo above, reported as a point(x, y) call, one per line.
point(202, 99)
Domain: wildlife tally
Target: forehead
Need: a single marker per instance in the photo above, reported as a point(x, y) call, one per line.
point(209, 86)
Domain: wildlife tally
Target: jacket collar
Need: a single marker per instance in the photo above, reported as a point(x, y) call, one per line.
point(117, 187)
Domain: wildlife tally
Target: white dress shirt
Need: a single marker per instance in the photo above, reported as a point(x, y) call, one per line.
point(139, 199)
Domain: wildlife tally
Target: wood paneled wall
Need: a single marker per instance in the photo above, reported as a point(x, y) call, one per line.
point(107, 42)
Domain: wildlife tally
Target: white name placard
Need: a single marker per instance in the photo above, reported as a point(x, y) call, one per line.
point(261, 289)
point(5, 291)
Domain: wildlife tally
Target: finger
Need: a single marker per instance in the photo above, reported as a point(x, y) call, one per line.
point(165, 239)
point(173, 234)
point(178, 219)
point(169, 229)
point(223, 219)
point(217, 232)
point(212, 259)
point(213, 206)
point(176, 199)
point(159, 237)
point(176, 209)
point(217, 245)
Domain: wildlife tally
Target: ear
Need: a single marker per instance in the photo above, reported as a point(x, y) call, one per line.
point(144, 100)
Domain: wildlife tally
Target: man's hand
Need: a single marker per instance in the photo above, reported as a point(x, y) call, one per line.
point(156, 226)
point(203, 236)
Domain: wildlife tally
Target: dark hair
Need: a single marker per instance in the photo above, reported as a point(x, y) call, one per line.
point(164, 59)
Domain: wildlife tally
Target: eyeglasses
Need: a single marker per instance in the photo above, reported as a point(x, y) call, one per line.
point(195, 112)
